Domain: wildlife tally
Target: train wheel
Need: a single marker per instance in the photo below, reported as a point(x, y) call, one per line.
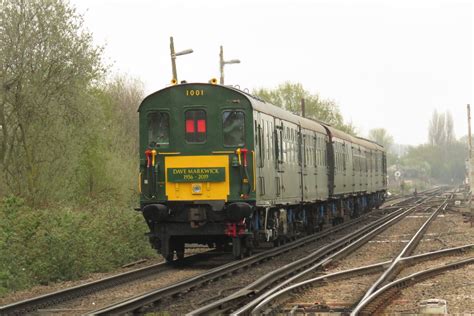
point(179, 250)
point(169, 257)
point(220, 246)
point(237, 248)
point(167, 250)
point(248, 252)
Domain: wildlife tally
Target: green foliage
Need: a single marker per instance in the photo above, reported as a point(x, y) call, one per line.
point(42, 246)
point(68, 150)
point(107, 165)
point(441, 129)
point(48, 65)
point(289, 95)
point(445, 164)
point(382, 137)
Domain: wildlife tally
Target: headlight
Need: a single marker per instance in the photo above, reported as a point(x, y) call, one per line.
point(196, 188)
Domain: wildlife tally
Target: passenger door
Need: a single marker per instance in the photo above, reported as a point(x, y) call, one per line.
point(279, 163)
point(303, 139)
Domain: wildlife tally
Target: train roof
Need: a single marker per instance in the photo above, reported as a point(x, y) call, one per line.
point(273, 110)
point(370, 143)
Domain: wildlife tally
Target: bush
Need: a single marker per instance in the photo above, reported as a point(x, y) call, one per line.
point(43, 246)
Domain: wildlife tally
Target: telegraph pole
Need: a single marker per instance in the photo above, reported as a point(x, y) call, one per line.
point(469, 130)
point(222, 63)
point(469, 140)
point(173, 59)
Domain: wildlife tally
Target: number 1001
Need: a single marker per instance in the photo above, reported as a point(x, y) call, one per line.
point(194, 93)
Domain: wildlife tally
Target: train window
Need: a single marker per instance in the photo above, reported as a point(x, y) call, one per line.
point(267, 140)
point(277, 146)
point(366, 165)
point(233, 128)
point(316, 151)
point(158, 128)
point(282, 149)
point(344, 156)
point(195, 126)
point(303, 152)
point(322, 156)
point(376, 162)
point(261, 146)
point(270, 143)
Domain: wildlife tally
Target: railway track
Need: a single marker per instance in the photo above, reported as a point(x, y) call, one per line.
point(278, 299)
point(153, 298)
point(383, 295)
point(235, 267)
point(244, 300)
point(383, 288)
point(52, 299)
point(55, 298)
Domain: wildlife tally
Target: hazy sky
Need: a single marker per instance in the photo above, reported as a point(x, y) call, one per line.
point(386, 63)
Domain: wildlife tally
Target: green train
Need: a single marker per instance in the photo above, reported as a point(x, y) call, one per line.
point(223, 168)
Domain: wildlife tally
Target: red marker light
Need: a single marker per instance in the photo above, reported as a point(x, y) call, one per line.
point(189, 126)
point(148, 157)
point(201, 126)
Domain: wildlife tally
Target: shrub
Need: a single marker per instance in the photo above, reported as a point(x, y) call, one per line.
point(47, 245)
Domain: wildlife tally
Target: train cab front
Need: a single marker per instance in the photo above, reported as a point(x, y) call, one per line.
point(197, 166)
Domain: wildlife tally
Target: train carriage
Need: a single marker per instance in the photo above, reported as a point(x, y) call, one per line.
point(219, 167)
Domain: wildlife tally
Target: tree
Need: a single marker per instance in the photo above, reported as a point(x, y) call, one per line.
point(125, 95)
point(441, 129)
point(449, 128)
point(382, 137)
point(289, 95)
point(107, 166)
point(443, 168)
point(48, 65)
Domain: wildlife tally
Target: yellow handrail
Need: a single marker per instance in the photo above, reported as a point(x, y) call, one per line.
point(140, 183)
point(169, 153)
point(223, 152)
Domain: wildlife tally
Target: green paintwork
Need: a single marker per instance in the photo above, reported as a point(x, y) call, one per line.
point(175, 100)
point(312, 161)
point(196, 174)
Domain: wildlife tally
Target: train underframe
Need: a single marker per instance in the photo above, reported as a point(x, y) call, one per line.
point(243, 227)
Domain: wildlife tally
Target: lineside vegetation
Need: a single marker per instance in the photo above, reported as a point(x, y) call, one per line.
point(68, 149)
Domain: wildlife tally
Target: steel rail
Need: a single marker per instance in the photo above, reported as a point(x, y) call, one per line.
point(279, 296)
point(373, 302)
point(135, 303)
point(395, 266)
point(35, 303)
point(49, 299)
point(347, 243)
point(348, 249)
